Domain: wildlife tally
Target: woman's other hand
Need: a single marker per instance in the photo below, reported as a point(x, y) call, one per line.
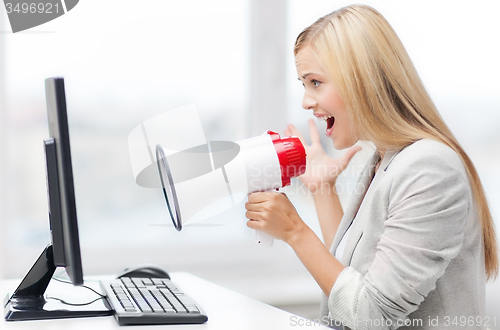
point(321, 170)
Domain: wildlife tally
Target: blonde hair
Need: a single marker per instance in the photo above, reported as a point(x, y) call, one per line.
point(385, 98)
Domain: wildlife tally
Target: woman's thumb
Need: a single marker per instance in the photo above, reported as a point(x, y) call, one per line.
point(346, 158)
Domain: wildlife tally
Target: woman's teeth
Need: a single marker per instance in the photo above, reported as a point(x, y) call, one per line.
point(325, 118)
point(330, 121)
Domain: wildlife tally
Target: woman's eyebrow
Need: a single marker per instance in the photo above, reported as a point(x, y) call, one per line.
point(305, 76)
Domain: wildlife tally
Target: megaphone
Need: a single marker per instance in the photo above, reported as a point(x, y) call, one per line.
point(203, 180)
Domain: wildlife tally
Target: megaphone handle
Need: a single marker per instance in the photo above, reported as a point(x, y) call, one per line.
point(264, 239)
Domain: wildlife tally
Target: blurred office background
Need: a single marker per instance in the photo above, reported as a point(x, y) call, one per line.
point(127, 61)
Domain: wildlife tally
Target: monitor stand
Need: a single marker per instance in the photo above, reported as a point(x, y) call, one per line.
point(29, 302)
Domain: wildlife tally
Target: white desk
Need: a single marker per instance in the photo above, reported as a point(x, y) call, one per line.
point(225, 309)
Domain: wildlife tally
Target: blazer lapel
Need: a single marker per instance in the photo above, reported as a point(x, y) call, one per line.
point(358, 225)
point(355, 201)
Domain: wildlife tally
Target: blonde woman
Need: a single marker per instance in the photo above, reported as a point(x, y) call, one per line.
point(416, 243)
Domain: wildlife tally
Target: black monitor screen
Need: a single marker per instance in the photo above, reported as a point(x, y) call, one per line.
point(64, 226)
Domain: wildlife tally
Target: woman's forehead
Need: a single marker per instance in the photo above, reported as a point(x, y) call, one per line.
point(306, 63)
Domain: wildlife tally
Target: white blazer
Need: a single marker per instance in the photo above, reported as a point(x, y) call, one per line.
point(415, 253)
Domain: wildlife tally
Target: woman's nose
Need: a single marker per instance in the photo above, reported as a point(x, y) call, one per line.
point(308, 103)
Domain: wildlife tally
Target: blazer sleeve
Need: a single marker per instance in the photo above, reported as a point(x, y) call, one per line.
point(428, 207)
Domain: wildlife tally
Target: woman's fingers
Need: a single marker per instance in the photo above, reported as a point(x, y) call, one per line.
point(253, 224)
point(261, 197)
point(346, 158)
point(291, 130)
point(255, 207)
point(259, 203)
point(253, 215)
point(313, 131)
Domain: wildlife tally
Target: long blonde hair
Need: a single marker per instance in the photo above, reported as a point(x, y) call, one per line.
point(385, 98)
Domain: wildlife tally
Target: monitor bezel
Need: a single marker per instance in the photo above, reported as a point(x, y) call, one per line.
point(70, 256)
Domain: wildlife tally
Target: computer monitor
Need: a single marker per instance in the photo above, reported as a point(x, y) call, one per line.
point(28, 301)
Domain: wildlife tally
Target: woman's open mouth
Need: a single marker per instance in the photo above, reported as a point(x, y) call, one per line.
point(329, 124)
point(330, 121)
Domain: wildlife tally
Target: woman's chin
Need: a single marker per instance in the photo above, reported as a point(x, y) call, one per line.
point(340, 144)
point(337, 143)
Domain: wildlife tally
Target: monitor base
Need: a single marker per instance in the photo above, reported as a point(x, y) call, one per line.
point(40, 308)
point(29, 301)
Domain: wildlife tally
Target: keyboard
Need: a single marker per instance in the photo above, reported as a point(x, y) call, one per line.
point(151, 301)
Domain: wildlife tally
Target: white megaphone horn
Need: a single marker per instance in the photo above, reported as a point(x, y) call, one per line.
point(215, 176)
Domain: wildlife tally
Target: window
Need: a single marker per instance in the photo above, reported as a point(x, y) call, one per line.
point(131, 62)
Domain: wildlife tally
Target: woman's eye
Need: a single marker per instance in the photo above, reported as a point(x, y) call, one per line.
point(315, 83)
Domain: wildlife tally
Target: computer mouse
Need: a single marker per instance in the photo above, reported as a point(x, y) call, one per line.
point(145, 271)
